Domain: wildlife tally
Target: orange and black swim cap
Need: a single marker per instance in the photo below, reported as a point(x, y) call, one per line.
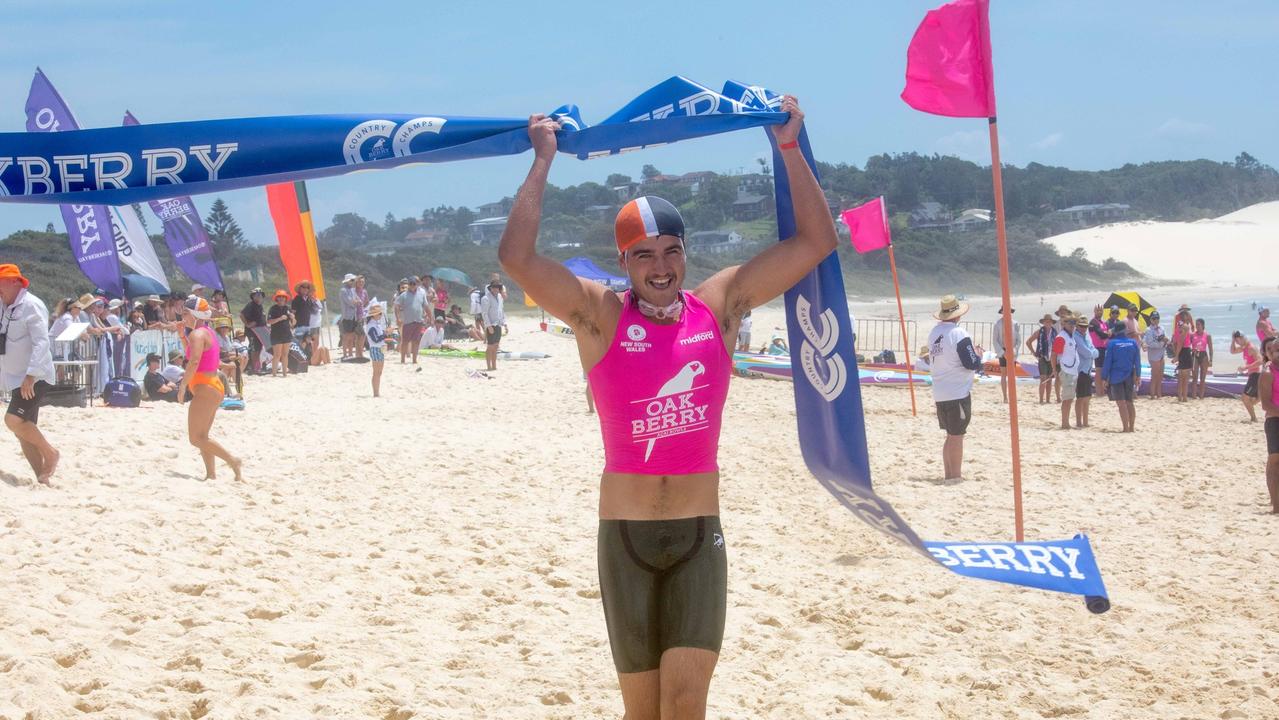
point(646, 217)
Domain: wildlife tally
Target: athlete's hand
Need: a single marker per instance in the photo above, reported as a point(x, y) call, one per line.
point(789, 132)
point(541, 132)
point(28, 387)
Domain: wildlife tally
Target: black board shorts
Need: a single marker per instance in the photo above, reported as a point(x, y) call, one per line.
point(953, 415)
point(1185, 359)
point(1120, 390)
point(493, 335)
point(28, 410)
point(664, 584)
point(1272, 435)
point(1083, 387)
point(1250, 387)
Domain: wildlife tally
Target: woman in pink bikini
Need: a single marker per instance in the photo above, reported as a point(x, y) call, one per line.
point(659, 358)
point(1268, 389)
point(201, 378)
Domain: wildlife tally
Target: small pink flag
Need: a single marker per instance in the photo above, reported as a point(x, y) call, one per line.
point(868, 226)
point(948, 65)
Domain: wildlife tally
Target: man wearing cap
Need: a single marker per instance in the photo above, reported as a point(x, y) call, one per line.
point(350, 322)
point(158, 386)
point(658, 358)
point(493, 313)
point(254, 316)
point(410, 310)
point(1002, 351)
point(26, 368)
point(1121, 374)
point(198, 290)
point(1066, 366)
point(955, 360)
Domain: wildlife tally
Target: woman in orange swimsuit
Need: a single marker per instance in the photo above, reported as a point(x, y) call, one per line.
point(201, 378)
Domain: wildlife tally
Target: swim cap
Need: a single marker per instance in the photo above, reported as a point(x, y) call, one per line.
point(199, 307)
point(646, 217)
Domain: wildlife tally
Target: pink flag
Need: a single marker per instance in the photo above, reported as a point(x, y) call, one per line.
point(948, 67)
point(868, 226)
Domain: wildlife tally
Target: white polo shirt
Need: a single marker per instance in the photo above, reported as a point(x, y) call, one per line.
point(25, 324)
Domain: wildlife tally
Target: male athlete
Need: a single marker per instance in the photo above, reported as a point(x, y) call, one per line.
point(658, 360)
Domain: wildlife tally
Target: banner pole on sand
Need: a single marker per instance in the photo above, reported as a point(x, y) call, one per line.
point(901, 317)
point(1010, 373)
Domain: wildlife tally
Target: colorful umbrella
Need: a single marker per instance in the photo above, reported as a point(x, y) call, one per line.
point(1130, 299)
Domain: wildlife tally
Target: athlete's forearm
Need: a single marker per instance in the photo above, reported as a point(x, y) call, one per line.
point(519, 239)
point(813, 222)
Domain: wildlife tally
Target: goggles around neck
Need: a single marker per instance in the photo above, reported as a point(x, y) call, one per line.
point(670, 312)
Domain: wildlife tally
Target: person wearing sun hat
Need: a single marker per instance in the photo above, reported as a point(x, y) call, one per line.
point(1084, 384)
point(955, 361)
point(998, 341)
point(253, 315)
point(375, 334)
point(280, 318)
point(1040, 345)
point(26, 368)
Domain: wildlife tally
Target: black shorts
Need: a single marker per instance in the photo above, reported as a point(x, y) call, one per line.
point(1083, 387)
point(28, 410)
point(349, 326)
point(1120, 391)
point(664, 584)
point(953, 415)
point(1272, 435)
point(1045, 368)
point(1250, 387)
point(493, 335)
point(1003, 361)
point(1101, 357)
point(1185, 359)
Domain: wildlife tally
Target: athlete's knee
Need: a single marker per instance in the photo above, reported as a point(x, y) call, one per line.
point(198, 440)
point(683, 699)
point(13, 422)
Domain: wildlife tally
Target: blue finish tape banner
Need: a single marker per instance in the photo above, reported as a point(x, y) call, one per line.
point(119, 165)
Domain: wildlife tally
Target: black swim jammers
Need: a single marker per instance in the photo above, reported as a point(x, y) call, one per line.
point(664, 584)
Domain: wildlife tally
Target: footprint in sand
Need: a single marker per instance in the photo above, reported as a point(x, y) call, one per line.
point(304, 659)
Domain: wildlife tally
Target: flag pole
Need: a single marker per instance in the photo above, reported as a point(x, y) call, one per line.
point(901, 317)
point(1009, 347)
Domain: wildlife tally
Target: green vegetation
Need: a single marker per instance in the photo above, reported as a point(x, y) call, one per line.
point(578, 220)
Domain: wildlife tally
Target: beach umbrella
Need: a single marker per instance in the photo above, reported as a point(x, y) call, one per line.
point(1128, 299)
point(452, 275)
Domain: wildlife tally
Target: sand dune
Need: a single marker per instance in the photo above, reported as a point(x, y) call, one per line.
point(1234, 248)
point(431, 554)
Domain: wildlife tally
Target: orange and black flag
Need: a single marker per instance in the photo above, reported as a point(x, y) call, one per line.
point(291, 212)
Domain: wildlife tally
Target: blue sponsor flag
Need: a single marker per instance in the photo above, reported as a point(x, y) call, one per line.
point(223, 154)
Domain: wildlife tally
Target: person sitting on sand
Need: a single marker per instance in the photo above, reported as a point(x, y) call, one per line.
point(777, 346)
point(158, 387)
point(661, 551)
point(435, 334)
point(1121, 373)
point(1252, 362)
point(26, 368)
point(1268, 390)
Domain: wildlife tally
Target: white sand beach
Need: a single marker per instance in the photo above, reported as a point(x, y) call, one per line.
point(431, 554)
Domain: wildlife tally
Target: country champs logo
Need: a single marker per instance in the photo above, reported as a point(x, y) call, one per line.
point(824, 369)
point(368, 141)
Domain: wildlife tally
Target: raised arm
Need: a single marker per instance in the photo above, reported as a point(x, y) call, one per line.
point(773, 271)
point(558, 291)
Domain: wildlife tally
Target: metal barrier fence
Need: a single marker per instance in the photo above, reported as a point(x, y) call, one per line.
point(874, 336)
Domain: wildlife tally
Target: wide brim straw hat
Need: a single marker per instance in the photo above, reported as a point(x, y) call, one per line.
point(1046, 318)
point(951, 308)
point(85, 301)
point(1063, 312)
point(375, 310)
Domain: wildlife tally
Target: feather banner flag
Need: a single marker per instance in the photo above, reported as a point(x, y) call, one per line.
point(868, 226)
point(286, 201)
point(948, 64)
point(215, 155)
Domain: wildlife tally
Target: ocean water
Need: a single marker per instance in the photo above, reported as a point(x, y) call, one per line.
point(1223, 317)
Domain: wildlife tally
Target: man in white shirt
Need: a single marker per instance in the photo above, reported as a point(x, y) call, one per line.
point(26, 368)
point(997, 334)
point(434, 335)
point(1066, 366)
point(955, 360)
point(494, 317)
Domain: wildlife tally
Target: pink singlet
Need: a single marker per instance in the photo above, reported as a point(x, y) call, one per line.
point(211, 357)
point(660, 392)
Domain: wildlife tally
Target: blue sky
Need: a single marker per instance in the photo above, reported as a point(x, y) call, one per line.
point(1087, 84)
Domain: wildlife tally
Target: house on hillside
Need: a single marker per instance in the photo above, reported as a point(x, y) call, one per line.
point(749, 206)
point(487, 232)
point(496, 209)
point(929, 214)
point(626, 192)
point(757, 183)
point(695, 180)
point(714, 241)
point(969, 220)
point(601, 212)
point(1082, 216)
point(415, 239)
